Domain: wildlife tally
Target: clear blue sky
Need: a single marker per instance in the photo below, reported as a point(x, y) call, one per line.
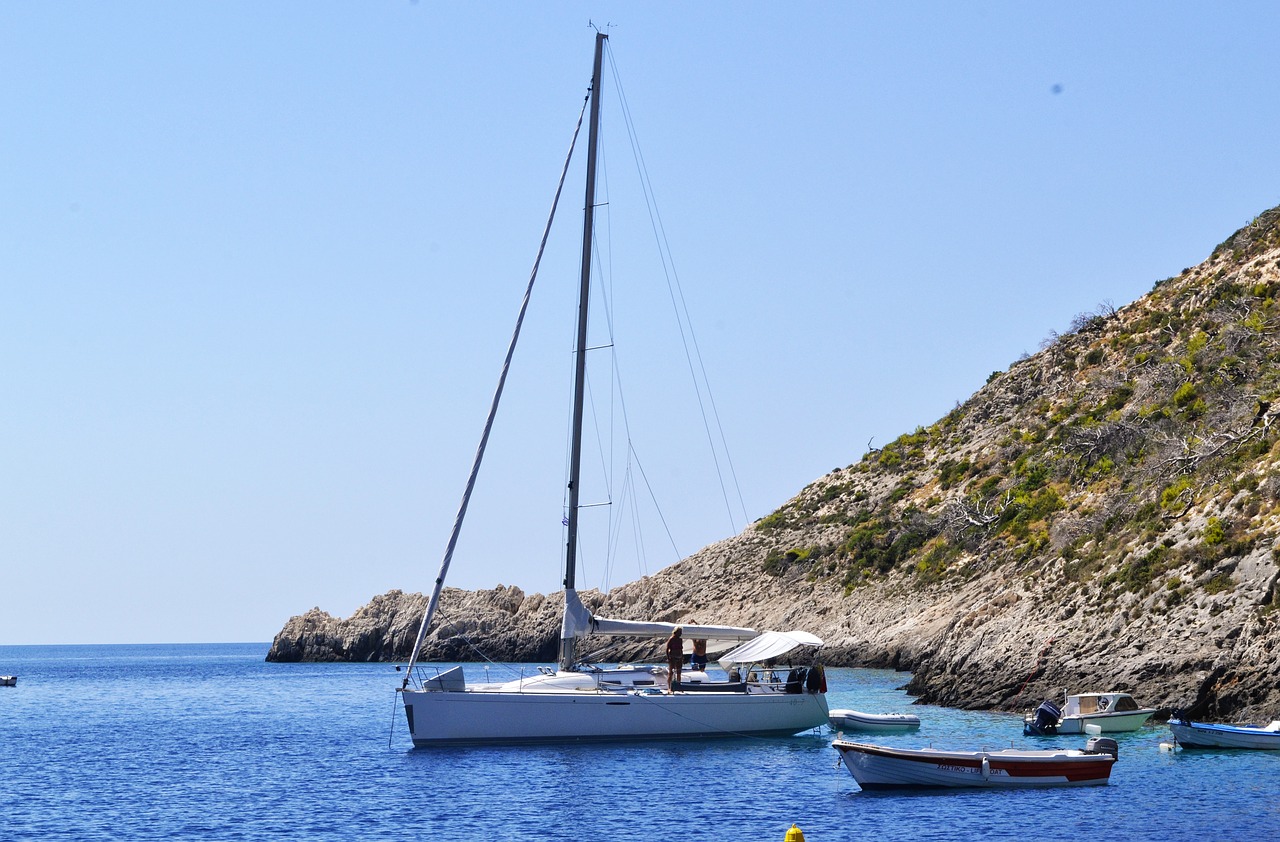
point(259, 262)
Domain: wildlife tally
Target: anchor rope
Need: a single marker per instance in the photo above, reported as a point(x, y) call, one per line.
point(1036, 667)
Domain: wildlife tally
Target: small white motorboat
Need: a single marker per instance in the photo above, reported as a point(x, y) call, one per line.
point(843, 719)
point(8, 681)
point(1112, 712)
point(883, 767)
point(1209, 735)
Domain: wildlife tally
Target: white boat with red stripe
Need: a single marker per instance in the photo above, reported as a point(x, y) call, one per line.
point(885, 767)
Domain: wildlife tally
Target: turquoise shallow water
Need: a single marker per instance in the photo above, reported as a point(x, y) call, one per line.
point(210, 742)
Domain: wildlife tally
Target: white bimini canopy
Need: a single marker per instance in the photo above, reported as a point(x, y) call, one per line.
point(769, 645)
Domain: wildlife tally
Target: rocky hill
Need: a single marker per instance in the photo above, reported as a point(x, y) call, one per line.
point(1103, 515)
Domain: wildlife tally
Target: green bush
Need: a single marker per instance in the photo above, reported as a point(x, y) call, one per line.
point(950, 472)
point(1172, 495)
point(1137, 575)
point(872, 547)
point(777, 520)
point(932, 563)
point(889, 457)
point(1214, 532)
point(900, 491)
point(777, 561)
point(1219, 583)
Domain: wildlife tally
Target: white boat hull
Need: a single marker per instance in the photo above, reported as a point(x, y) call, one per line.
point(1207, 735)
point(881, 767)
point(872, 723)
point(478, 716)
point(1110, 723)
point(1111, 712)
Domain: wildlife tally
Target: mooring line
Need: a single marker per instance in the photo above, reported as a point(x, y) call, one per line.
point(392, 734)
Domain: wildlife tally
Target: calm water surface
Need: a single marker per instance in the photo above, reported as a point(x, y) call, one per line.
point(210, 742)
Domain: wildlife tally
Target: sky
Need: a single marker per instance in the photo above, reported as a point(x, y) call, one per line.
point(259, 263)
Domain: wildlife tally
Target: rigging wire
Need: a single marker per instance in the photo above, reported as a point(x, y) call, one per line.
point(434, 601)
point(676, 292)
point(606, 449)
point(606, 422)
point(445, 618)
point(603, 262)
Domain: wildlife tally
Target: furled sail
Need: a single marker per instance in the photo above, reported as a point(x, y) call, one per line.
point(580, 622)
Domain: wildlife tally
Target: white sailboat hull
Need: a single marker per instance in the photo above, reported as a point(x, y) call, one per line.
point(473, 717)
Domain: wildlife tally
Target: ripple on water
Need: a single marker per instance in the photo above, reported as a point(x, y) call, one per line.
point(210, 742)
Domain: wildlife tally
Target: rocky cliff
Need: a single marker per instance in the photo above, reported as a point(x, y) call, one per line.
point(1103, 515)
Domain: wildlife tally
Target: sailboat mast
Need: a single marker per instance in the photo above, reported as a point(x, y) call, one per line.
point(580, 362)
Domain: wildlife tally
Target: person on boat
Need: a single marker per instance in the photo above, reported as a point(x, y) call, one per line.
point(698, 660)
point(675, 657)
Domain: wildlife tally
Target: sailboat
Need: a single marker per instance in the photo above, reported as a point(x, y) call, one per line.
point(581, 702)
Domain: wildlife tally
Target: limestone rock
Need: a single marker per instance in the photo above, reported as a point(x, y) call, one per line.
point(1104, 515)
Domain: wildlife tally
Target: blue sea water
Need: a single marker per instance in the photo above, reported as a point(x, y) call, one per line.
point(211, 742)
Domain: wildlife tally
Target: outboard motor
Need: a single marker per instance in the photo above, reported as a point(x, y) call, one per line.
point(1103, 745)
point(1045, 721)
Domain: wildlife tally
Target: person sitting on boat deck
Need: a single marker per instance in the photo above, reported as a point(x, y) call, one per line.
point(698, 660)
point(675, 657)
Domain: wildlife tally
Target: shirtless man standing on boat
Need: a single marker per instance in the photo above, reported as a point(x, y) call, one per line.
point(698, 660)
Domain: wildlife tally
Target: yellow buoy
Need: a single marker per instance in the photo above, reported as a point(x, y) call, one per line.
point(794, 835)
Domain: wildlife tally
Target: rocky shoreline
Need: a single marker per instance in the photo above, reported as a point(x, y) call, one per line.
point(990, 644)
point(1102, 516)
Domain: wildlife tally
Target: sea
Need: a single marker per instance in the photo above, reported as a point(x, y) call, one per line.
point(209, 741)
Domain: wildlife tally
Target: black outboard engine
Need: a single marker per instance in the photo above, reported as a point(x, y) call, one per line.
point(1103, 745)
point(1045, 721)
